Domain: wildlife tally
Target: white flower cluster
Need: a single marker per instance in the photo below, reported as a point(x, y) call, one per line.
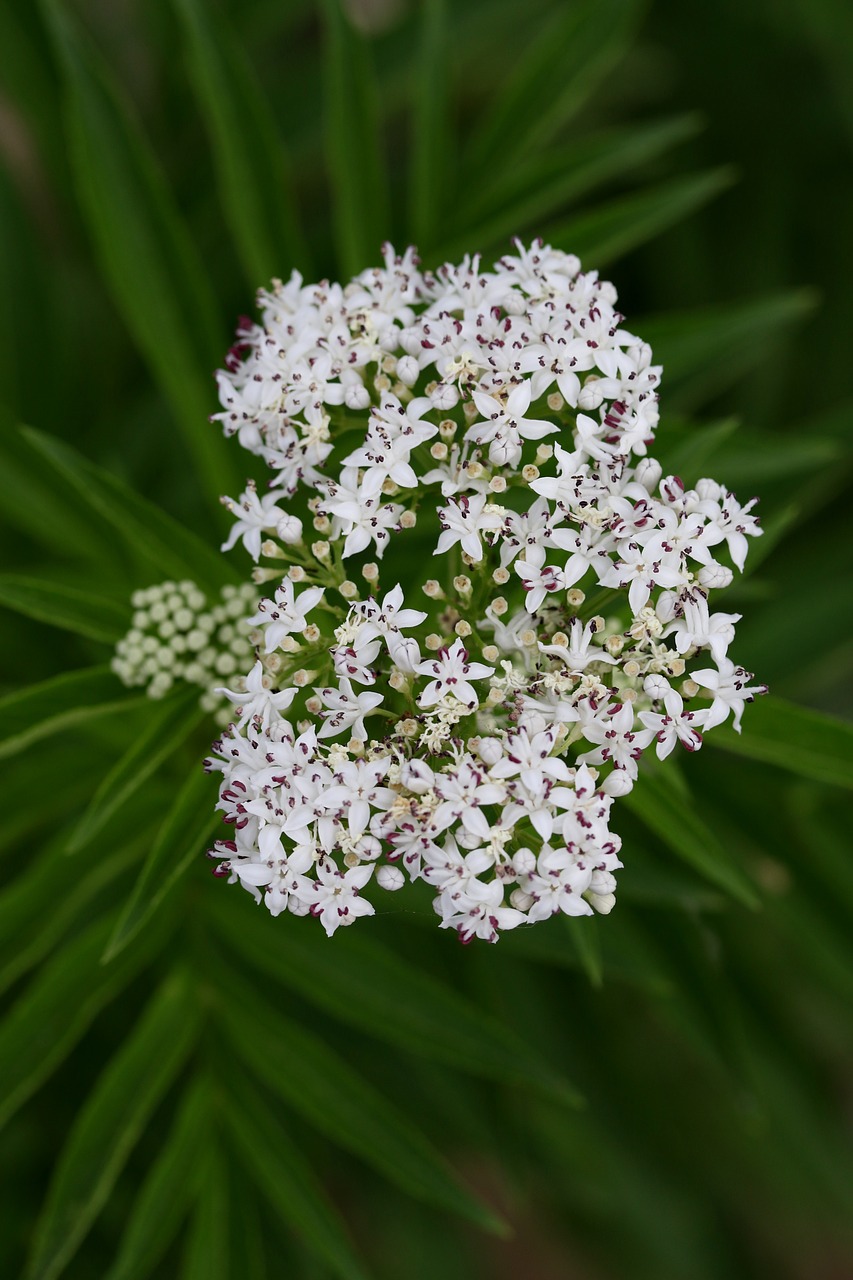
point(477, 742)
point(176, 634)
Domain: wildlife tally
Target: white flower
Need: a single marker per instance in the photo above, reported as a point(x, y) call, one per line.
point(346, 710)
point(254, 517)
point(481, 740)
point(450, 672)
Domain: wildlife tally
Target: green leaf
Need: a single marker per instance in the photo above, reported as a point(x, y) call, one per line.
point(62, 702)
point(704, 351)
point(542, 186)
point(673, 818)
point(84, 612)
point(166, 544)
point(353, 146)
point(552, 79)
point(48, 907)
point(432, 138)
point(251, 166)
point(185, 830)
point(169, 725)
point(54, 1011)
point(111, 1122)
point(148, 256)
point(164, 1197)
point(366, 985)
point(613, 229)
point(206, 1255)
point(583, 931)
point(316, 1082)
point(803, 741)
point(289, 1184)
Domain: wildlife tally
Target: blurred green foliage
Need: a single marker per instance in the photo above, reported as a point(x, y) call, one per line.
point(192, 1089)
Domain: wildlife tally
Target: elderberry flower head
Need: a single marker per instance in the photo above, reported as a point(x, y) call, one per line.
point(490, 600)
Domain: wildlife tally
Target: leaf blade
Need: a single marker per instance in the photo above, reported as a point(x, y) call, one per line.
point(185, 828)
point(111, 1122)
point(84, 612)
point(795, 738)
point(31, 714)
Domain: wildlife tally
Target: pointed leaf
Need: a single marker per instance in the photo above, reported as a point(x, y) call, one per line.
point(365, 984)
point(84, 612)
point(60, 703)
point(168, 545)
point(675, 821)
point(164, 1197)
point(615, 228)
point(353, 143)
point(290, 1185)
point(311, 1078)
point(543, 186)
point(169, 725)
point(704, 351)
point(432, 138)
point(206, 1255)
point(251, 166)
point(111, 1122)
point(583, 931)
point(55, 1010)
point(180, 840)
point(148, 256)
point(798, 739)
point(552, 79)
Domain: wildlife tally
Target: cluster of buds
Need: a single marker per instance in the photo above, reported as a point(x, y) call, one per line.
point(178, 635)
point(479, 441)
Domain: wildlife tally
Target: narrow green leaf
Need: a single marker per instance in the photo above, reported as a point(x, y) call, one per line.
point(615, 228)
point(806, 742)
point(583, 932)
point(432, 138)
point(251, 165)
point(36, 500)
point(157, 277)
point(164, 1197)
point(540, 188)
point(62, 702)
point(85, 612)
point(207, 1254)
point(316, 1082)
point(166, 544)
point(111, 1122)
point(289, 1184)
point(186, 828)
point(686, 451)
point(673, 818)
point(353, 145)
point(704, 351)
point(364, 984)
point(552, 79)
point(53, 906)
point(54, 1011)
point(169, 725)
